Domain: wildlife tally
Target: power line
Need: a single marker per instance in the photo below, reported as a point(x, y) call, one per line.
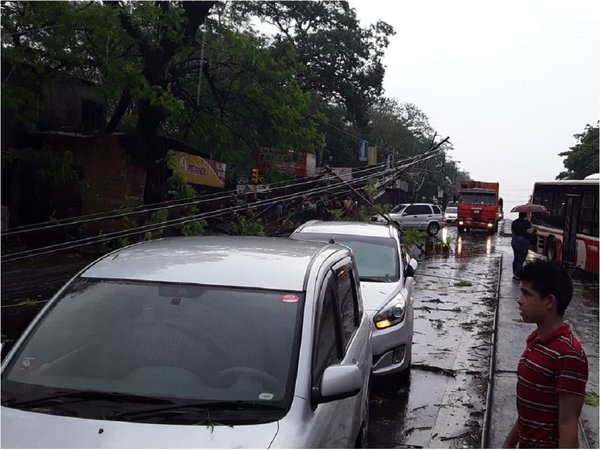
point(210, 214)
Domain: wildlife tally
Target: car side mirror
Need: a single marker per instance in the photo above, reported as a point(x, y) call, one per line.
point(338, 382)
point(412, 267)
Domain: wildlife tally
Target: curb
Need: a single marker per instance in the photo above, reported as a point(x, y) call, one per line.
point(492, 374)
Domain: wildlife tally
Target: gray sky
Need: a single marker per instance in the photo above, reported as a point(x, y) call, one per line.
point(510, 82)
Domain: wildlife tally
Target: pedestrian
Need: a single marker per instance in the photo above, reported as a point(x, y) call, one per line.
point(521, 232)
point(553, 370)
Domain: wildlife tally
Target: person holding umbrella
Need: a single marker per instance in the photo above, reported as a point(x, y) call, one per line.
point(522, 230)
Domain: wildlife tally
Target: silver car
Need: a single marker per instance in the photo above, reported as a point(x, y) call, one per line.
point(421, 216)
point(386, 280)
point(196, 342)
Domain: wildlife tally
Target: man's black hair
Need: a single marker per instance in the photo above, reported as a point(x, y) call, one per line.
point(549, 278)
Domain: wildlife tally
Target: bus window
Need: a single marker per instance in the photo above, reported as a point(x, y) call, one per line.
point(547, 198)
point(558, 209)
point(589, 213)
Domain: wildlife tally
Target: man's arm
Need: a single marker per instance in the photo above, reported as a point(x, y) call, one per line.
point(569, 409)
point(512, 439)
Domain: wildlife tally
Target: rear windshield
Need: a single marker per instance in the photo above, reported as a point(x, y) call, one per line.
point(177, 342)
point(376, 257)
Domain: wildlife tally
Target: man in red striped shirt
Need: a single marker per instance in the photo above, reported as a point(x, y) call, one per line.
point(553, 369)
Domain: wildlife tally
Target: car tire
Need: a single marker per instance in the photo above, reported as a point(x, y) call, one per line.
point(433, 228)
point(551, 245)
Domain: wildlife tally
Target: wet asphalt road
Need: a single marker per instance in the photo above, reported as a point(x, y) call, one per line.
point(444, 403)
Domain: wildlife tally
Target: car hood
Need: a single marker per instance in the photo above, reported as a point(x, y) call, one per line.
point(376, 295)
point(25, 429)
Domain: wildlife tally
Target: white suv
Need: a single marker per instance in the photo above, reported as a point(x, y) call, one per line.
point(422, 216)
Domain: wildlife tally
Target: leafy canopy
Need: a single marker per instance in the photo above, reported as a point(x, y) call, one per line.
point(581, 160)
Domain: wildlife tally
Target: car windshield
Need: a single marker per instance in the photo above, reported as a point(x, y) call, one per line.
point(451, 209)
point(376, 257)
point(172, 343)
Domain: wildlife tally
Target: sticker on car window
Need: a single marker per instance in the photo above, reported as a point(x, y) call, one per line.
point(265, 396)
point(289, 298)
point(27, 362)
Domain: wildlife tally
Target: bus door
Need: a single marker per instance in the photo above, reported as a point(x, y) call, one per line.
point(569, 249)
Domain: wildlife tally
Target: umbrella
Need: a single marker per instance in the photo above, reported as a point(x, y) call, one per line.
point(529, 208)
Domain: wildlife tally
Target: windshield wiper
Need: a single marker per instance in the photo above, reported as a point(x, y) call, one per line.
point(70, 396)
point(204, 406)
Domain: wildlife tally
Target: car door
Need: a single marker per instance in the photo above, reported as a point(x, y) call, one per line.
point(415, 216)
point(342, 337)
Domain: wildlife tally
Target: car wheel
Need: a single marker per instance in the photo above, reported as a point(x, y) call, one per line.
point(551, 244)
point(433, 228)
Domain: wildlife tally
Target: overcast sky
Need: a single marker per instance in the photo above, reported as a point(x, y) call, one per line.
point(509, 81)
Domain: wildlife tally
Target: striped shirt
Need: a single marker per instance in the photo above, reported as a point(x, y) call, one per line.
point(555, 362)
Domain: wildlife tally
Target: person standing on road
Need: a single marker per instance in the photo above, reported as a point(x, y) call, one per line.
point(521, 232)
point(553, 369)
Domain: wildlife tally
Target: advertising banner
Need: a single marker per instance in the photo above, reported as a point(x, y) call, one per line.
point(198, 170)
point(372, 158)
point(301, 164)
point(363, 150)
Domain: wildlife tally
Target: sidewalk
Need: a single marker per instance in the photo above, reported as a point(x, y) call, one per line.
point(509, 343)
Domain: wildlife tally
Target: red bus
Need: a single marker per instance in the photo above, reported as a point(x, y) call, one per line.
point(568, 230)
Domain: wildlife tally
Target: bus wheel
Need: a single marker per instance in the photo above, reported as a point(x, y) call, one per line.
point(551, 246)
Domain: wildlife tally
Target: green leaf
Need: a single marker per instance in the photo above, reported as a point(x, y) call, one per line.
point(591, 398)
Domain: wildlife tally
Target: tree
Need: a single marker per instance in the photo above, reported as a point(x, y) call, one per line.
point(249, 99)
point(149, 60)
point(339, 60)
point(581, 160)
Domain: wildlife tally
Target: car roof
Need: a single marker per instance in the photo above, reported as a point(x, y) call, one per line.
point(244, 261)
point(347, 228)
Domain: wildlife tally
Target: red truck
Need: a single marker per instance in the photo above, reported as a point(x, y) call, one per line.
point(478, 206)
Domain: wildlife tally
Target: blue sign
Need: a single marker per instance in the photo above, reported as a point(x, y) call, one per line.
point(363, 150)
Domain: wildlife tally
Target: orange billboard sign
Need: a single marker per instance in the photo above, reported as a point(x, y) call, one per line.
point(198, 170)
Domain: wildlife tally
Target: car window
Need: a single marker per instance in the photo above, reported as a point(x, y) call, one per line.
point(398, 208)
point(328, 339)
point(418, 209)
point(348, 301)
point(436, 209)
point(451, 209)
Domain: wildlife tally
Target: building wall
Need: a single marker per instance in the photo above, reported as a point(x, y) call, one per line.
point(112, 180)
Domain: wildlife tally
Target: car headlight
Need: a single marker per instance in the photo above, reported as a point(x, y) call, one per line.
point(391, 314)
